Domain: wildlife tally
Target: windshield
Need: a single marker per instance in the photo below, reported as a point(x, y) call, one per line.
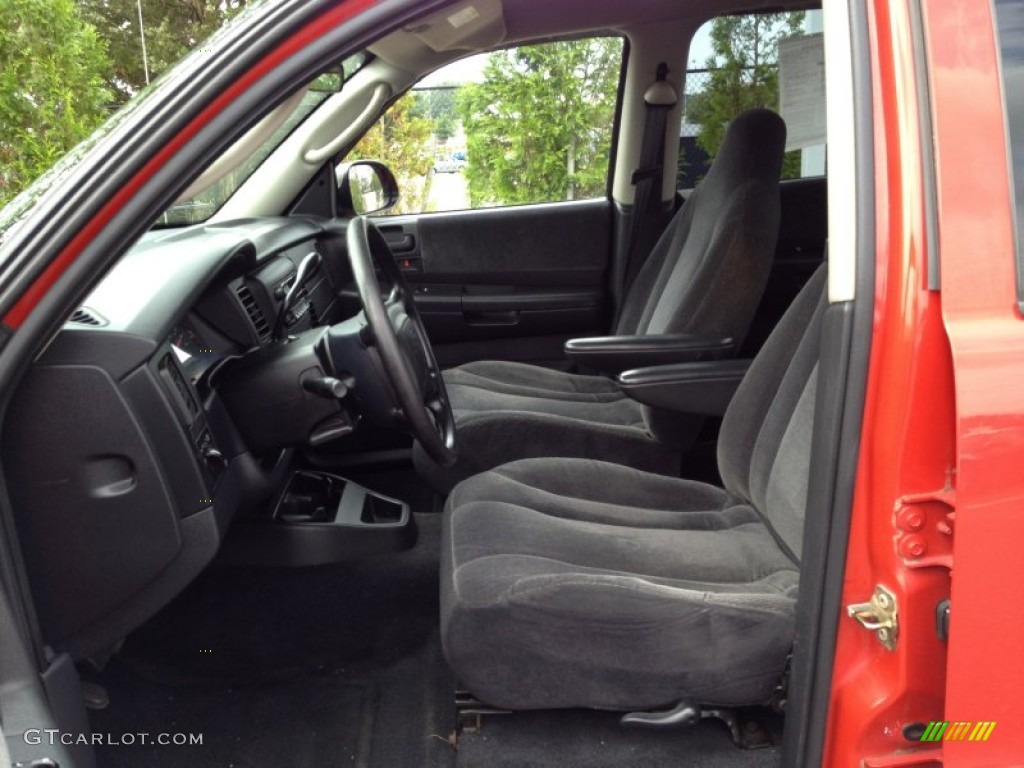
point(201, 206)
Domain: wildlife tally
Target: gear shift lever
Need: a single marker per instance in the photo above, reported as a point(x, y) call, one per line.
point(306, 267)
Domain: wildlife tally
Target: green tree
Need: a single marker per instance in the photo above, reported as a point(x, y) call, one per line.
point(52, 90)
point(538, 128)
point(743, 74)
point(402, 139)
point(172, 29)
point(438, 104)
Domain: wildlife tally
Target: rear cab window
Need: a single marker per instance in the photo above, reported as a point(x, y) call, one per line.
point(744, 61)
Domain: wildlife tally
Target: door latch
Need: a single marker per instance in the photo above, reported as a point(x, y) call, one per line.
point(878, 616)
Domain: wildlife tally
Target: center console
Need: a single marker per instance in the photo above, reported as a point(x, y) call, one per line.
point(321, 518)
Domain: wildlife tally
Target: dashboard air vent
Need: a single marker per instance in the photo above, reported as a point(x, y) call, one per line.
point(85, 316)
point(252, 309)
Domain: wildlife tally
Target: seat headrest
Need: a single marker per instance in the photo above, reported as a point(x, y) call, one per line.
point(753, 148)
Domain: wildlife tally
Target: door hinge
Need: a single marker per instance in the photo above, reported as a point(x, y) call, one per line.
point(878, 616)
point(924, 528)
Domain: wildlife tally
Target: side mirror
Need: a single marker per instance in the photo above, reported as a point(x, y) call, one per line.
point(366, 186)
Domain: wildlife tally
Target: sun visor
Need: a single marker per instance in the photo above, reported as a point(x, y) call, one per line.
point(469, 25)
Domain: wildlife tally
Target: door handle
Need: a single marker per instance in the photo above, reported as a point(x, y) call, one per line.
point(403, 244)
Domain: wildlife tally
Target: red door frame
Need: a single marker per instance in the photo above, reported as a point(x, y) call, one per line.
point(907, 447)
point(937, 504)
point(985, 675)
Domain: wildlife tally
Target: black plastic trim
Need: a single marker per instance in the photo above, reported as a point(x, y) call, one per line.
point(704, 388)
point(621, 216)
point(928, 170)
point(528, 299)
point(319, 197)
point(200, 539)
point(340, 528)
point(614, 354)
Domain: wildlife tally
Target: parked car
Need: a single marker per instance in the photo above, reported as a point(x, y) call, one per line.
point(747, 454)
point(449, 164)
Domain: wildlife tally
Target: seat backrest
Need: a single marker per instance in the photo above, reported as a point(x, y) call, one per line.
point(707, 272)
point(764, 446)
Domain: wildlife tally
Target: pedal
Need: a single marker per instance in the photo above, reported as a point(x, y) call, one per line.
point(746, 734)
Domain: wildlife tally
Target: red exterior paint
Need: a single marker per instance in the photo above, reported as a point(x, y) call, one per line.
point(907, 449)
point(928, 439)
point(986, 666)
point(341, 13)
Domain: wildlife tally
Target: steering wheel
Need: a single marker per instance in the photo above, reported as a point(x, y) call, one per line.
point(398, 336)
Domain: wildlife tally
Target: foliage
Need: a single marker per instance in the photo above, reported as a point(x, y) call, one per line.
point(52, 92)
point(438, 104)
point(172, 27)
point(64, 65)
point(743, 74)
point(402, 139)
point(538, 128)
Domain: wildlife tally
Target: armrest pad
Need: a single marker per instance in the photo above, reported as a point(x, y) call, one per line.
point(613, 354)
point(705, 388)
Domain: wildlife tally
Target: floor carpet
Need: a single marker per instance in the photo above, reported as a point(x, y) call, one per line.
point(332, 666)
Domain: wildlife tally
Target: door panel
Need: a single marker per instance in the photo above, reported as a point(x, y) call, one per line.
point(509, 283)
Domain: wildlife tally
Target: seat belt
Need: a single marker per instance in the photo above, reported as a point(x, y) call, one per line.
point(659, 98)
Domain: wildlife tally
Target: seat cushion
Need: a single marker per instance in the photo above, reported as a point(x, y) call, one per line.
point(569, 582)
point(488, 377)
point(507, 411)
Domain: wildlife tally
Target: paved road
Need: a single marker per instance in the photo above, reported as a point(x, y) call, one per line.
point(448, 192)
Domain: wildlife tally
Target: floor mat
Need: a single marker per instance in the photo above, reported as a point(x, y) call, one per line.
point(591, 739)
point(328, 666)
point(311, 721)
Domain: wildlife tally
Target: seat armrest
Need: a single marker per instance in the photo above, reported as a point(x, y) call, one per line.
point(614, 354)
point(703, 388)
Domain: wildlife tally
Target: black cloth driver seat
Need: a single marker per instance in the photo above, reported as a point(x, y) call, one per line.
point(579, 583)
point(705, 275)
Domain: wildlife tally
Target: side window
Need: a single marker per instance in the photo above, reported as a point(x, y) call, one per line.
point(736, 63)
point(531, 124)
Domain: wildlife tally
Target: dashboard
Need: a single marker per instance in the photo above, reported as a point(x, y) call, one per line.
point(125, 464)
